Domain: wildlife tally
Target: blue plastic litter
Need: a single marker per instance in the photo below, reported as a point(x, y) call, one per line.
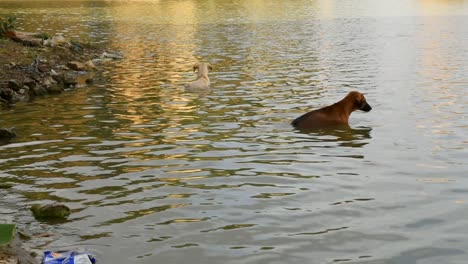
point(67, 257)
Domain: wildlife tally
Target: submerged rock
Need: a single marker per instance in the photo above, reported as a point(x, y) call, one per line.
point(50, 211)
point(7, 94)
point(70, 79)
point(7, 132)
point(4, 185)
point(54, 89)
point(38, 91)
point(77, 79)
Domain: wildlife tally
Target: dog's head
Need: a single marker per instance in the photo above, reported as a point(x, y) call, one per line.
point(360, 101)
point(203, 66)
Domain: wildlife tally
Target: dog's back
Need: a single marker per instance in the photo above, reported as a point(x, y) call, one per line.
point(318, 118)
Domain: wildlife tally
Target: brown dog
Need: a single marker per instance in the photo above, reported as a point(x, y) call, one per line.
point(334, 115)
point(202, 82)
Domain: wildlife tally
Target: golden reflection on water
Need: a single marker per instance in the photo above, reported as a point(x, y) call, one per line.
point(441, 7)
point(440, 71)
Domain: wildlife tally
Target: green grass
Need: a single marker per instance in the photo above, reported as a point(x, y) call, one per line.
point(6, 233)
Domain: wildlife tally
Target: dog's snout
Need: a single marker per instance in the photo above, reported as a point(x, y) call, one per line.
point(365, 107)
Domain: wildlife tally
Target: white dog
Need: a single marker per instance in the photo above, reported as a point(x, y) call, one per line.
point(202, 82)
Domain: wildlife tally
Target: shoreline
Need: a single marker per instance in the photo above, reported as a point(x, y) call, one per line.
point(33, 66)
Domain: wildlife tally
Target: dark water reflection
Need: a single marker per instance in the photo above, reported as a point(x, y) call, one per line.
point(343, 136)
point(155, 174)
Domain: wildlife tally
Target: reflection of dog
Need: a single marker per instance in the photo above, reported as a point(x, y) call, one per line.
point(202, 81)
point(344, 136)
point(333, 115)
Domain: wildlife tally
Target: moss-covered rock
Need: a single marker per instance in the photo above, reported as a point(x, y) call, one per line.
point(50, 211)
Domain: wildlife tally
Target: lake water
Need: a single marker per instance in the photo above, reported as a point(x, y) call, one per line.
point(155, 174)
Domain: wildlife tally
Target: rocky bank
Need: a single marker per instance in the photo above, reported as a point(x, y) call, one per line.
point(34, 65)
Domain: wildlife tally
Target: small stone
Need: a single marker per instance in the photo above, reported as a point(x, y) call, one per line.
point(62, 68)
point(48, 81)
point(24, 236)
point(52, 63)
point(69, 79)
point(14, 84)
point(114, 56)
point(58, 77)
point(76, 66)
point(43, 68)
point(36, 77)
point(29, 82)
point(24, 90)
point(90, 65)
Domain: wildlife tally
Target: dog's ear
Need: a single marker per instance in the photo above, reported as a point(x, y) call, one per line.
point(195, 66)
point(210, 67)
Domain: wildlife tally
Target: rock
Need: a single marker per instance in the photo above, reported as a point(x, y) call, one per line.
point(48, 81)
point(14, 84)
point(35, 76)
point(29, 82)
point(111, 56)
point(43, 67)
point(24, 90)
point(23, 94)
point(58, 40)
point(90, 65)
point(7, 94)
point(7, 132)
point(23, 236)
point(69, 79)
point(38, 91)
point(32, 42)
point(62, 68)
point(27, 38)
point(59, 78)
point(54, 89)
point(50, 212)
point(76, 66)
point(4, 185)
